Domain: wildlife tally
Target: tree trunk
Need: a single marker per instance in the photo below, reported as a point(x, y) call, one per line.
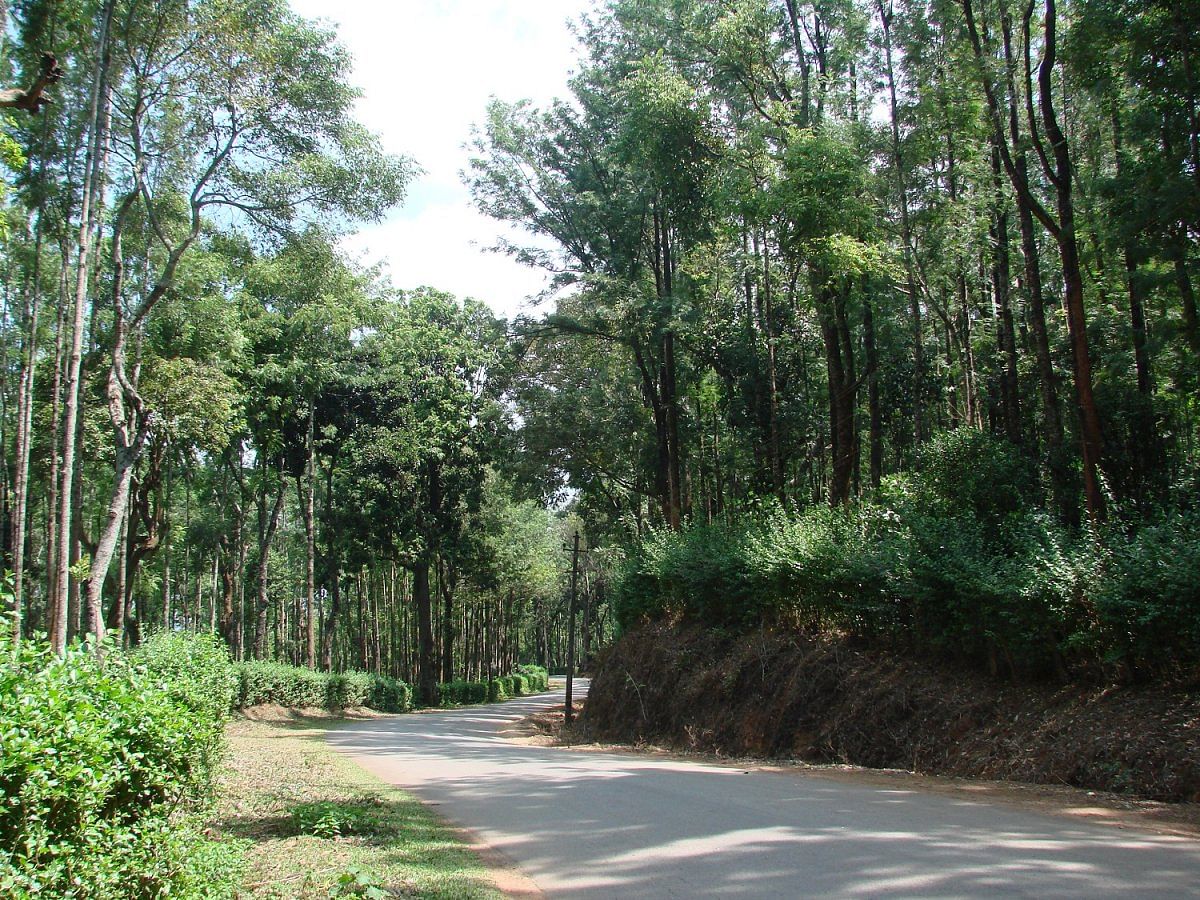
point(874, 413)
point(1062, 177)
point(914, 302)
point(307, 487)
point(447, 583)
point(262, 604)
point(1010, 393)
point(427, 661)
point(88, 219)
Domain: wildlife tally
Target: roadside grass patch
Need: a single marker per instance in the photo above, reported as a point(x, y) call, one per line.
point(317, 826)
point(329, 819)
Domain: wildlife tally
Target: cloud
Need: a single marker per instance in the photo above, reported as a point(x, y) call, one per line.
point(446, 247)
point(426, 69)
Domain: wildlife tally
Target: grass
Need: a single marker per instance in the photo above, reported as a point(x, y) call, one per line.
point(317, 826)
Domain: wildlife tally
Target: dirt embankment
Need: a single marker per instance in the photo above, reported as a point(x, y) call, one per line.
point(822, 700)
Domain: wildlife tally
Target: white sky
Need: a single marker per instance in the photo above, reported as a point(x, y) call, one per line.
point(427, 69)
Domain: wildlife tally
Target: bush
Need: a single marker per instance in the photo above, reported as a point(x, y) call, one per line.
point(298, 687)
point(954, 560)
point(1147, 592)
point(536, 679)
point(104, 770)
point(197, 672)
point(462, 693)
point(496, 691)
point(388, 694)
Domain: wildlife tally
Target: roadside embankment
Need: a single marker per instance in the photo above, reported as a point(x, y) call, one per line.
point(786, 695)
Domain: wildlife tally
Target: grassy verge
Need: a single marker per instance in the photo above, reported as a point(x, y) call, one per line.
point(317, 826)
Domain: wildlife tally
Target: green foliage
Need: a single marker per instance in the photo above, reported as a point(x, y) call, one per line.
point(104, 769)
point(330, 819)
point(462, 693)
point(536, 679)
point(299, 687)
point(358, 882)
point(496, 691)
point(525, 680)
point(955, 560)
point(1150, 599)
point(196, 672)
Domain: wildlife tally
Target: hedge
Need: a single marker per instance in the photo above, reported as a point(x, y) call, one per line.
point(536, 678)
point(525, 680)
point(300, 687)
point(461, 693)
point(105, 771)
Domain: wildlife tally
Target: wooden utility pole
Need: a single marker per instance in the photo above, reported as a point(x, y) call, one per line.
point(568, 712)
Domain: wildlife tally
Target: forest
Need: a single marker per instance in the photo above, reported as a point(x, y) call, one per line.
point(869, 318)
point(865, 316)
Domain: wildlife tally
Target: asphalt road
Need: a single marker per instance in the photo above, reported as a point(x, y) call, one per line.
point(593, 825)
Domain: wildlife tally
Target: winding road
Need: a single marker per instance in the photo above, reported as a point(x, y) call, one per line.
point(593, 825)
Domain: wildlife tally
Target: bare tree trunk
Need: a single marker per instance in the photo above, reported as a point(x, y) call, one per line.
point(875, 415)
point(20, 513)
point(1013, 154)
point(1010, 393)
point(768, 314)
point(447, 584)
point(427, 671)
point(307, 497)
point(886, 15)
point(1062, 178)
point(88, 219)
point(261, 577)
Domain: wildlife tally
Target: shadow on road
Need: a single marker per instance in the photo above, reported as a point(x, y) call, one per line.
point(613, 825)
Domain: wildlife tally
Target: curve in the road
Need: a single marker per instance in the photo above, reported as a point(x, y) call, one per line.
point(593, 825)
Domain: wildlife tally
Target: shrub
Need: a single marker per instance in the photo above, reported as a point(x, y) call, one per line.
point(388, 694)
point(462, 693)
point(291, 686)
point(330, 818)
point(954, 560)
point(1147, 592)
point(299, 687)
point(104, 770)
point(536, 678)
point(496, 691)
point(197, 672)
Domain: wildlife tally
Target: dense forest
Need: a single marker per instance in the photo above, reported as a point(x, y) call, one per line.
point(213, 420)
point(876, 317)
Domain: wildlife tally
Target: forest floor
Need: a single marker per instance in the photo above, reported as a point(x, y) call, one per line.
point(318, 826)
point(546, 729)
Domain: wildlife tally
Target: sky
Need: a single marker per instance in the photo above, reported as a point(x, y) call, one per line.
point(426, 69)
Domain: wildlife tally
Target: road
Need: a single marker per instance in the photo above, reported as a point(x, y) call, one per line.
point(593, 825)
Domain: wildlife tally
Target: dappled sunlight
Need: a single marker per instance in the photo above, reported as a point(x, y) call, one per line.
point(603, 824)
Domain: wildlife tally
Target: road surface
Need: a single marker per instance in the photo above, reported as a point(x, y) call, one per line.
point(593, 825)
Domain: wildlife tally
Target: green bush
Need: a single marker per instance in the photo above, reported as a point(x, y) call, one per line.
point(291, 686)
point(462, 693)
point(388, 694)
point(298, 687)
point(536, 679)
point(1147, 591)
point(105, 769)
point(496, 691)
point(197, 672)
point(955, 560)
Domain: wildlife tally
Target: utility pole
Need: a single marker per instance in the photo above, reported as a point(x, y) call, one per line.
point(568, 712)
